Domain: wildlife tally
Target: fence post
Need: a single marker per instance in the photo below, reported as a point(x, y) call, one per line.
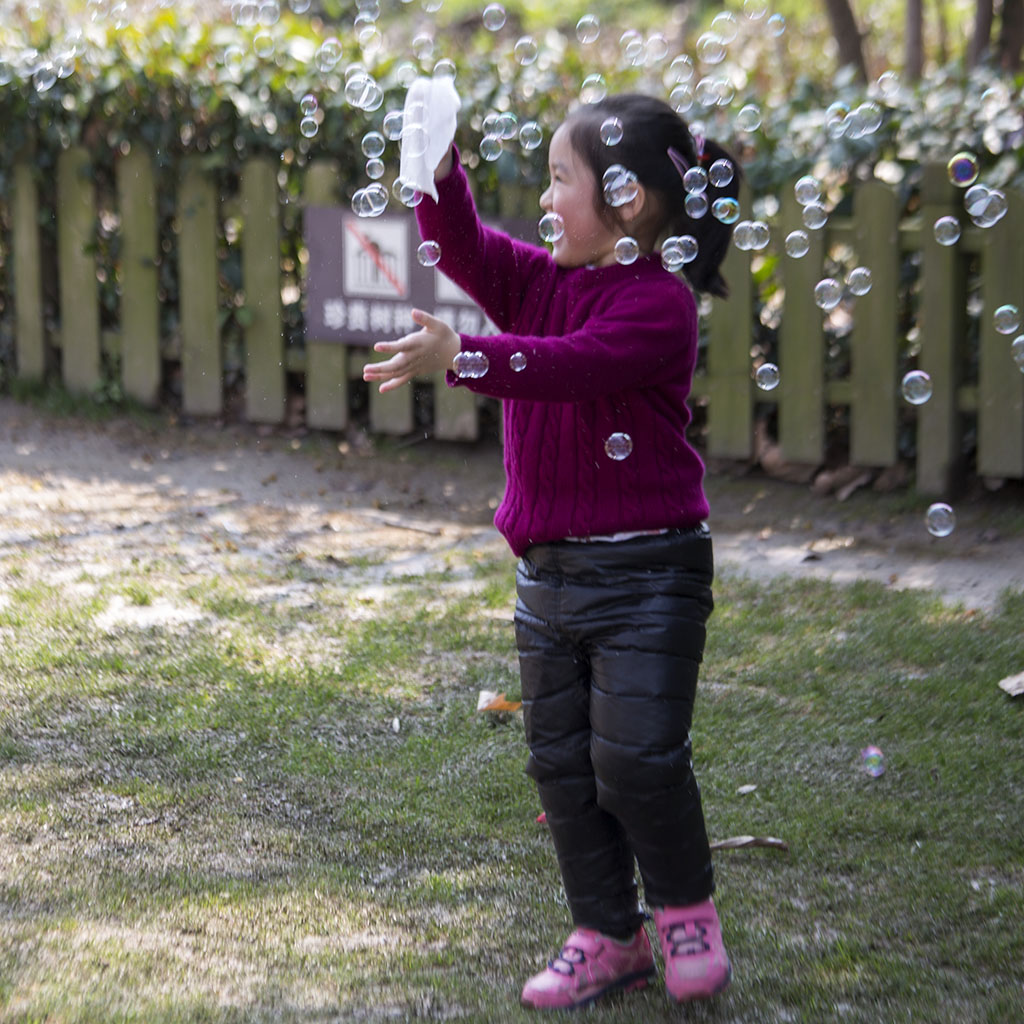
point(201, 361)
point(1000, 386)
point(327, 406)
point(801, 390)
point(29, 333)
point(81, 364)
point(730, 409)
point(140, 303)
point(874, 342)
point(261, 278)
point(941, 320)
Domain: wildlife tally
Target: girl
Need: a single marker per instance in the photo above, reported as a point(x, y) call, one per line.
point(604, 506)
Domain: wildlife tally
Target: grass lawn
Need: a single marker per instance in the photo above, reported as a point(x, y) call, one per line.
point(289, 810)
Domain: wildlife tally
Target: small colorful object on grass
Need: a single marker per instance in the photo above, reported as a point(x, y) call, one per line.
point(873, 761)
point(488, 700)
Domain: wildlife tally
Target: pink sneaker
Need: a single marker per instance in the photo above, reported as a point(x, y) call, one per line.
point(696, 964)
point(589, 965)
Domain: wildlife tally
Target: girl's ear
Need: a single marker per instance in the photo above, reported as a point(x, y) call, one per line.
point(636, 210)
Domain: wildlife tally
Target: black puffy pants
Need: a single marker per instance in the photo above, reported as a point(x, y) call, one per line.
point(610, 637)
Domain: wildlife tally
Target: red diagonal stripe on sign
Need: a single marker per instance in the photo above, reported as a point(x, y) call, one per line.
point(374, 254)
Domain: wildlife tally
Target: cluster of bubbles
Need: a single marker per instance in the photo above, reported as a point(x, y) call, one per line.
point(471, 365)
point(677, 251)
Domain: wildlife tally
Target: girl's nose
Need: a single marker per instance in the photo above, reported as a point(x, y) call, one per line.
point(545, 200)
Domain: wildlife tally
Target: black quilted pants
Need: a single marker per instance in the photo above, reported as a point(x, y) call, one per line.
point(610, 637)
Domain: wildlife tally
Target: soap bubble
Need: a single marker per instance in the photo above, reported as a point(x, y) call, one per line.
point(588, 28)
point(975, 199)
point(695, 204)
point(766, 377)
point(375, 168)
point(681, 99)
point(507, 126)
point(414, 140)
point(726, 209)
point(627, 249)
point(760, 235)
point(594, 89)
point(392, 125)
point(530, 135)
point(328, 54)
point(471, 364)
point(807, 190)
point(370, 201)
point(814, 216)
point(721, 172)
point(551, 227)
point(940, 519)
point(490, 147)
point(749, 118)
point(308, 127)
point(308, 105)
point(710, 48)
point(406, 194)
point(859, 281)
point(494, 17)
point(611, 131)
point(429, 253)
point(620, 186)
point(618, 446)
point(517, 362)
point(373, 144)
point(359, 90)
point(724, 26)
point(872, 761)
point(695, 179)
point(1006, 319)
point(1017, 352)
point(990, 210)
point(963, 169)
point(525, 50)
point(797, 244)
point(755, 10)
point(828, 293)
point(445, 68)
point(742, 235)
point(916, 387)
point(776, 25)
point(947, 230)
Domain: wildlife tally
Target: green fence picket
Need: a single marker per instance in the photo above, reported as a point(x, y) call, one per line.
point(201, 358)
point(141, 366)
point(81, 362)
point(29, 330)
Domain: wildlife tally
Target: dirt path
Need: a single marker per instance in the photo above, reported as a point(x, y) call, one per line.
point(86, 496)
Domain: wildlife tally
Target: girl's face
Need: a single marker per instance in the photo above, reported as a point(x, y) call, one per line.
point(588, 240)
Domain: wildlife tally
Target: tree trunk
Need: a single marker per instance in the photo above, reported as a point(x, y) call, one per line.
point(847, 35)
point(940, 15)
point(913, 64)
point(1011, 35)
point(982, 32)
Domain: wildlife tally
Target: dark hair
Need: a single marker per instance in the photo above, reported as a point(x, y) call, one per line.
point(650, 127)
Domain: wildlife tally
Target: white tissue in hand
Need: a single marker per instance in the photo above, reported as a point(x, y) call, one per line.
point(428, 130)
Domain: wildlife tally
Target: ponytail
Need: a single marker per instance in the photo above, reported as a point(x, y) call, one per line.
point(658, 147)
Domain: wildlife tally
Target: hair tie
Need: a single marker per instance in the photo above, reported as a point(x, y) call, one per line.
point(678, 161)
point(698, 144)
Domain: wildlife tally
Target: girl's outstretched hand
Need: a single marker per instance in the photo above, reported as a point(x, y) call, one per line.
point(432, 348)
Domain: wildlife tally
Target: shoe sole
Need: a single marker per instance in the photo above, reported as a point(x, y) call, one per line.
point(627, 983)
point(704, 995)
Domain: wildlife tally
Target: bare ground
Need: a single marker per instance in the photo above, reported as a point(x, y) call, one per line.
point(80, 496)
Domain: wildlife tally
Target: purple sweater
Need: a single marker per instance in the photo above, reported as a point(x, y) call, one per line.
point(607, 350)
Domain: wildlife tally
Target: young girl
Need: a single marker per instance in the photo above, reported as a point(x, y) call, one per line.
point(604, 506)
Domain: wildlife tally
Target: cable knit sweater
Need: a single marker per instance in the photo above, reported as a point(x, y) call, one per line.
point(607, 350)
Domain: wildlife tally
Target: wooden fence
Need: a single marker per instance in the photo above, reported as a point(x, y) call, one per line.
point(875, 231)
